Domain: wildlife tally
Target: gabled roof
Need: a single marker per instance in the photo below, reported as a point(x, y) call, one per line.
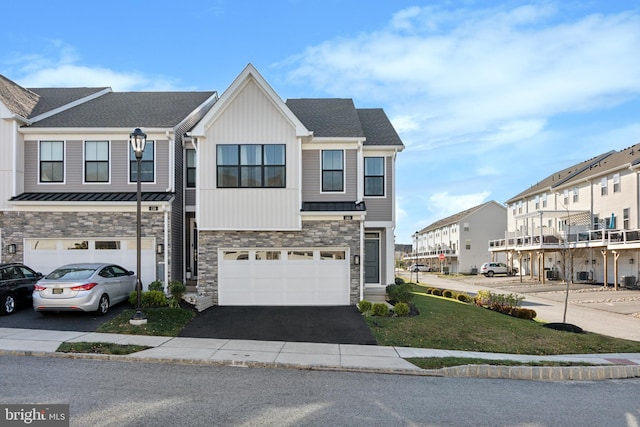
point(456, 218)
point(129, 109)
point(248, 75)
point(588, 169)
point(19, 101)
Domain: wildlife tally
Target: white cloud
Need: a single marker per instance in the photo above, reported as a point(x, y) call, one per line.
point(444, 204)
point(59, 68)
point(461, 75)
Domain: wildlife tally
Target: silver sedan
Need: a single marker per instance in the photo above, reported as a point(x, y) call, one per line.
point(83, 287)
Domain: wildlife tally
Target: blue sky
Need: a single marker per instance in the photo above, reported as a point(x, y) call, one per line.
point(488, 97)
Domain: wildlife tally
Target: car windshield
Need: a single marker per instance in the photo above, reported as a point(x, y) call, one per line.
point(73, 273)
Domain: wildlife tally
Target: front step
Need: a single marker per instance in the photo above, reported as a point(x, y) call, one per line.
point(375, 294)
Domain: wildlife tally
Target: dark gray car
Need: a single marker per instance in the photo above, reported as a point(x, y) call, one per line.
point(16, 285)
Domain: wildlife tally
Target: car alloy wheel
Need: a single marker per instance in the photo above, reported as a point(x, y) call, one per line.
point(103, 305)
point(8, 304)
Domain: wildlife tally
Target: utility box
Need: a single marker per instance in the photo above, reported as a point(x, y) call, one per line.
point(628, 281)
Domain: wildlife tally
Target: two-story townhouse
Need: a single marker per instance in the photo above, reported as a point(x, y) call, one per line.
point(296, 203)
point(579, 223)
point(456, 244)
point(68, 176)
point(256, 200)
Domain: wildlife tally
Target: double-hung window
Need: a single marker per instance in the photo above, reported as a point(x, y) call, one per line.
point(191, 168)
point(51, 161)
point(96, 161)
point(374, 176)
point(251, 166)
point(332, 170)
point(147, 164)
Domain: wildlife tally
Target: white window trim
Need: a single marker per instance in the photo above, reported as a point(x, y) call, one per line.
point(64, 162)
point(84, 162)
point(384, 178)
point(155, 165)
point(344, 171)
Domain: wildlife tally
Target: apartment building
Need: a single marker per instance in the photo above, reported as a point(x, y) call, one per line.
point(579, 223)
point(457, 243)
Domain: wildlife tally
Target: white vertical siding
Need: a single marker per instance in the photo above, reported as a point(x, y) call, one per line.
point(250, 118)
point(6, 162)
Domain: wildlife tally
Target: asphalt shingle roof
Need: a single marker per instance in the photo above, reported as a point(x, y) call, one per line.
point(129, 109)
point(455, 218)
point(52, 98)
point(18, 100)
point(590, 168)
point(327, 117)
point(377, 127)
point(339, 118)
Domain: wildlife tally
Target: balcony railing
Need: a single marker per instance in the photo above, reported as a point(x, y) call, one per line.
point(589, 238)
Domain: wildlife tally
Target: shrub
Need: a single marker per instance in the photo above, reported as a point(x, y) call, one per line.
point(154, 299)
point(156, 285)
point(380, 309)
point(401, 309)
point(399, 293)
point(437, 292)
point(463, 297)
point(447, 293)
point(364, 306)
point(429, 291)
point(177, 289)
point(149, 299)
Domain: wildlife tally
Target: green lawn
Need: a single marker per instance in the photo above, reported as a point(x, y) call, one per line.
point(160, 321)
point(446, 324)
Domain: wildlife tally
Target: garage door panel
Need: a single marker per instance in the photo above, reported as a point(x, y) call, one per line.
point(46, 254)
point(284, 281)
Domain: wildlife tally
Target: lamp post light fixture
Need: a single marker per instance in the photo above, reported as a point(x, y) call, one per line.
point(138, 139)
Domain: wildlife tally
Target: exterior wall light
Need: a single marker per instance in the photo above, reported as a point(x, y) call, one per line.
point(11, 249)
point(356, 260)
point(160, 248)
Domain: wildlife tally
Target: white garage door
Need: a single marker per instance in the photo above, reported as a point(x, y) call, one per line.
point(283, 277)
point(45, 255)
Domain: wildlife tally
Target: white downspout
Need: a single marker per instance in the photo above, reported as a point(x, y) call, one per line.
point(361, 259)
point(166, 249)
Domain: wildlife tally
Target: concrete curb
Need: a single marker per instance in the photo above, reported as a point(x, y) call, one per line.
point(533, 373)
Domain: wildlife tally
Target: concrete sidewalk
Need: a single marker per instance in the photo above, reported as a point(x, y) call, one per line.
point(316, 356)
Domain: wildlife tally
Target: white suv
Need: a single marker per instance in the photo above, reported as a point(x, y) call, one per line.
point(491, 268)
point(418, 267)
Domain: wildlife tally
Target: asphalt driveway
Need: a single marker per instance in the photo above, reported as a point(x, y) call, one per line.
point(27, 318)
point(336, 325)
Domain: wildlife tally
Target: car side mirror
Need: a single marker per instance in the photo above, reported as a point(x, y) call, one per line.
point(131, 273)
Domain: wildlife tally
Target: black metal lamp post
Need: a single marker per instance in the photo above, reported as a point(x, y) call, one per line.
point(138, 139)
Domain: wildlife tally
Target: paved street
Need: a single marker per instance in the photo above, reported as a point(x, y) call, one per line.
point(110, 393)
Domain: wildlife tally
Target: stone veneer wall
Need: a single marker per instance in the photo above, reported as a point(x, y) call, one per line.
point(313, 234)
point(19, 225)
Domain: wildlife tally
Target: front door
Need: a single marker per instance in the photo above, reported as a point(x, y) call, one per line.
point(372, 261)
